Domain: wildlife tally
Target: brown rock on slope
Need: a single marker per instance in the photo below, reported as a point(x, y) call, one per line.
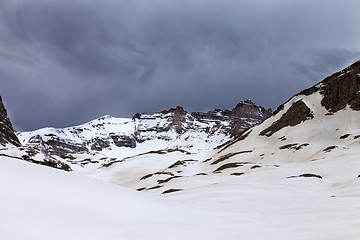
point(7, 134)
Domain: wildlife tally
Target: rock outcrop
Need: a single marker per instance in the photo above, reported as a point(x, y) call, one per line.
point(245, 115)
point(297, 113)
point(340, 89)
point(7, 134)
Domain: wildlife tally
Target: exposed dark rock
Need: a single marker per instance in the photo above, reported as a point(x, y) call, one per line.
point(342, 89)
point(136, 115)
point(239, 116)
point(181, 162)
point(87, 161)
point(328, 149)
point(157, 173)
point(179, 119)
point(201, 174)
point(297, 113)
point(98, 144)
point(123, 141)
point(237, 174)
point(49, 163)
point(167, 179)
point(7, 134)
point(307, 175)
point(283, 138)
point(9, 156)
point(177, 163)
point(69, 156)
point(301, 146)
point(288, 146)
point(294, 146)
point(345, 136)
point(227, 144)
point(228, 165)
point(309, 91)
point(255, 166)
point(155, 187)
point(56, 146)
point(146, 176)
point(172, 190)
point(229, 155)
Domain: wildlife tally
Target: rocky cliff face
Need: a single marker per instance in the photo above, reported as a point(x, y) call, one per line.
point(7, 134)
point(340, 90)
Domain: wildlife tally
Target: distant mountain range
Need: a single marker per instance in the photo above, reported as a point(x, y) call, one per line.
point(108, 139)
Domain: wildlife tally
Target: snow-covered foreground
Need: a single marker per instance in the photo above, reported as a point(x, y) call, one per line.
point(38, 202)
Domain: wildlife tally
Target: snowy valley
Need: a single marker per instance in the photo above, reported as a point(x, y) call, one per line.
point(224, 174)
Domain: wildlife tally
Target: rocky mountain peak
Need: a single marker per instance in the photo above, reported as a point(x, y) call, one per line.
point(248, 109)
point(178, 110)
point(178, 119)
point(7, 134)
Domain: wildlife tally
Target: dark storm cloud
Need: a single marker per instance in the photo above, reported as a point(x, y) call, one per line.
point(66, 62)
point(323, 60)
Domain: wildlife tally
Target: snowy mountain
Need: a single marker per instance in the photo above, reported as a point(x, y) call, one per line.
point(316, 134)
point(294, 176)
point(108, 139)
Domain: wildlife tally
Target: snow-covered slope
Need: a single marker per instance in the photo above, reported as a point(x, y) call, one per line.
point(318, 140)
point(45, 203)
point(39, 202)
point(319, 122)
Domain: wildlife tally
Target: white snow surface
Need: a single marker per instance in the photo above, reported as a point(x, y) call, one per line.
point(39, 202)
point(263, 195)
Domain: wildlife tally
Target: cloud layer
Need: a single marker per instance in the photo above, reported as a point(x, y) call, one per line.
point(67, 62)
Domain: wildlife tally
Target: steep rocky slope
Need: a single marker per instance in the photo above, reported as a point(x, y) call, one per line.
point(7, 134)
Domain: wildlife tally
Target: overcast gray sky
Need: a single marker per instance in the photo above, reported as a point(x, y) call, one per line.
point(66, 62)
